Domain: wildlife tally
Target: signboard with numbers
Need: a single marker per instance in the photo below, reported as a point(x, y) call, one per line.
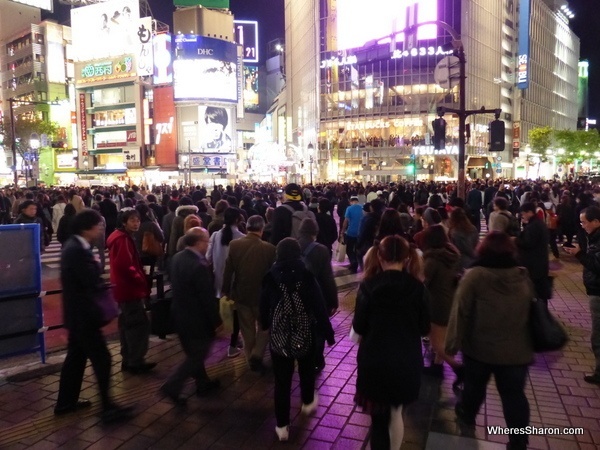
point(246, 35)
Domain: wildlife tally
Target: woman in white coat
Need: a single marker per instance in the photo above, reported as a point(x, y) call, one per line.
point(218, 250)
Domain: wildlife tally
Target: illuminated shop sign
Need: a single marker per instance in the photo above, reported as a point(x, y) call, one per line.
point(145, 60)
point(165, 137)
point(337, 61)
point(163, 67)
point(105, 70)
point(251, 97)
point(421, 51)
point(246, 34)
point(210, 161)
point(523, 58)
point(382, 124)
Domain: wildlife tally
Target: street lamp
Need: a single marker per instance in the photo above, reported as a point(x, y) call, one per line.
point(311, 160)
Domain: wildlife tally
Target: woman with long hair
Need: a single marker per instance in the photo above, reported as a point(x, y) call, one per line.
point(218, 250)
point(391, 317)
point(464, 235)
point(489, 324)
point(441, 260)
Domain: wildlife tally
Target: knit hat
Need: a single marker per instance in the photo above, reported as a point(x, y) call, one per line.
point(293, 192)
point(288, 249)
point(308, 227)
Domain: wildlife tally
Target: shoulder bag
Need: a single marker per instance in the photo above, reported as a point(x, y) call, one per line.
point(105, 304)
point(150, 244)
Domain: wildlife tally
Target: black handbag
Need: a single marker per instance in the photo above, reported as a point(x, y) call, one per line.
point(546, 332)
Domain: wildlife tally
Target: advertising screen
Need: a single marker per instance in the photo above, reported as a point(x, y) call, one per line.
point(163, 67)
point(105, 29)
point(358, 24)
point(251, 99)
point(215, 129)
point(205, 69)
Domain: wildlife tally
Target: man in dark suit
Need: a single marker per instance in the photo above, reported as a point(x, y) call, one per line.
point(195, 314)
point(109, 211)
point(80, 276)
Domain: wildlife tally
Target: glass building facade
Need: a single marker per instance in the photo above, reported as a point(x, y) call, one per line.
point(376, 92)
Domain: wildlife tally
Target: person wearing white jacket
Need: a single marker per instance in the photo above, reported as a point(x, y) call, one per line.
point(58, 210)
point(218, 250)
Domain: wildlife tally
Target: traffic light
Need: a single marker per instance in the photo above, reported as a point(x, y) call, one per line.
point(497, 136)
point(439, 133)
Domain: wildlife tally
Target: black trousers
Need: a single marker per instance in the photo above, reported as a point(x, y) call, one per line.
point(380, 430)
point(195, 350)
point(510, 382)
point(352, 252)
point(283, 369)
point(84, 343)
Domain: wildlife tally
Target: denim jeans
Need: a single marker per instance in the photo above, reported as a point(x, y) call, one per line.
point(595, 338)
point(510, 382)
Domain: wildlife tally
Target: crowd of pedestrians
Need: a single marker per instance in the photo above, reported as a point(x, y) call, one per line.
point(269, 249)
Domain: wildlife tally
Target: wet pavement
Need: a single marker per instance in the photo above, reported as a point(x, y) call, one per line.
point(240, 415)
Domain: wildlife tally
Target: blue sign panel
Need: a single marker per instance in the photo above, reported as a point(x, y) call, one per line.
point(523, 61)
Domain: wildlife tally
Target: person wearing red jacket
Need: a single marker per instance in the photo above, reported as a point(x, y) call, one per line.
point(130, 289)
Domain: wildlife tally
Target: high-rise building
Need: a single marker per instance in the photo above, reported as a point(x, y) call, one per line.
point(361, 96)
point(35, 73)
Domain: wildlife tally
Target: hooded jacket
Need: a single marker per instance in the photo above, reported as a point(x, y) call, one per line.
point(177, 227)
point(126, 272)
point(441, 267)
point(490, 315)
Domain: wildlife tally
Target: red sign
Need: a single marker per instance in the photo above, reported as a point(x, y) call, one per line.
point(165, 134)
point(83, 122)
point(132, 136)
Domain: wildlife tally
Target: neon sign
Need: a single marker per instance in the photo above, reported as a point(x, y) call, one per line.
point(421, 51)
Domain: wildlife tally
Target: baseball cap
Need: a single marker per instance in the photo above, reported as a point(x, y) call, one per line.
point(293, 192)
point(354, 197)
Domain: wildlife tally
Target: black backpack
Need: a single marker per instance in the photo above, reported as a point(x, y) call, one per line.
point(291, 327)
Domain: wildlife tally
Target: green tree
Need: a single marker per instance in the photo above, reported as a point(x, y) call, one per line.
point(24, 127)
point(578, 144)
point(540, 139)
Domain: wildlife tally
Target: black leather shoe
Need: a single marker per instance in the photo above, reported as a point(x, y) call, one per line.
point(61, 410)
point(593, 378)
point(462, 417)
point(207, 388)
point(116, 414)
point(142, 368)
point(256, 365)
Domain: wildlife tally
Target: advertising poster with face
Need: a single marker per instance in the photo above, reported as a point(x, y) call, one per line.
point(215, 129)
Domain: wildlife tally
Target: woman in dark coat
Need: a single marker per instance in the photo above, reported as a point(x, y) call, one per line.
point(64, 224)
point(288, 278)
point(391, 316)
point(567, 221)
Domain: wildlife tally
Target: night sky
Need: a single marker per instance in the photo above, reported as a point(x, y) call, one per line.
point(269, 14)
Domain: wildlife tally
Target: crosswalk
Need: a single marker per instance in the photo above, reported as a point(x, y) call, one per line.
point(51, 256)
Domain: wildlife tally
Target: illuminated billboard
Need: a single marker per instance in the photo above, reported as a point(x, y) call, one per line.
point(358, 24)
point(42, 4)
point(105, 30)
point(523, 57)
point(205, 69)
point(163, 67)
point(165, 135)
point(215, 129)
point(251, 99)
